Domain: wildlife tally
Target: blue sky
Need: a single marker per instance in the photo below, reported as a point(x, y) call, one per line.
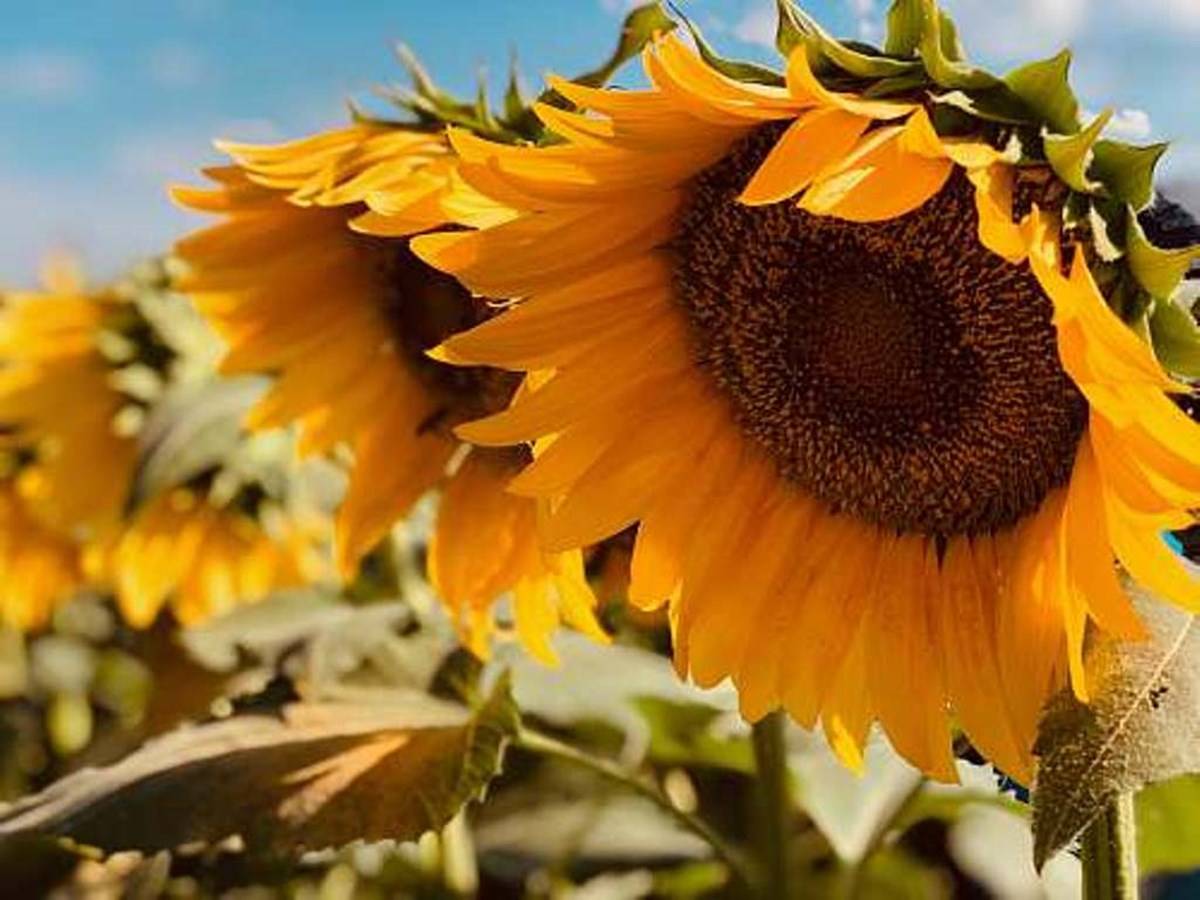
point(102, 102)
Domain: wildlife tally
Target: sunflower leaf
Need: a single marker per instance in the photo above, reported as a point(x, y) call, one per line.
point(1127, 170)
point(1071, 155)
point(733, 68)
point(1142, 725)
point(1158, 269)
point(637, 31)
point(1045, 88)
point(942, 58)
point(796, 26)
point(317, 775)
point(904, 20)
point(1176, 338)
point(1168, 827)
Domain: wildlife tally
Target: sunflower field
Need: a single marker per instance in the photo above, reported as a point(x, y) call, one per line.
point(689, 477)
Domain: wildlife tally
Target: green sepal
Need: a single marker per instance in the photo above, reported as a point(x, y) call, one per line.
point(939, 59)
point(1176, 338)
point(899, 84)
point(637, 30)
point(1127, 171)
point(1128, 299)
point(483, 109)
point(796, 27)
point(515, 104)
point(1044, 87)
point(733, 68)
point(904, 25)
point(1106, 221)
point(952, 48)
point(1157, 269)
point(992, 105)
point(1071, 155)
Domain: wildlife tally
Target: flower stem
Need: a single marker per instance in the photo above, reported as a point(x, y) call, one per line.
point(775, 804)
point(1110, 869)
point(545, 745)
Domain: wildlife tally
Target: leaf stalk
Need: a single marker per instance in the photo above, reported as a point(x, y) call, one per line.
point(1109, 853)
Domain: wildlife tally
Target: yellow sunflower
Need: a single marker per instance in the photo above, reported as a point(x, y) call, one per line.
point(881, 430)
point(59, 402)
point(201, 557)
point(310, 279)
point(39, 568)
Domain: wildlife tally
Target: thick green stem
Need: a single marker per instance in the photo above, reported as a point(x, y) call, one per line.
point(545, 745)
point(775, 805)
point(1110, 870)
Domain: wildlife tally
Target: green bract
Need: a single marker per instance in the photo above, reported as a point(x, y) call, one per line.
point(1032, 108)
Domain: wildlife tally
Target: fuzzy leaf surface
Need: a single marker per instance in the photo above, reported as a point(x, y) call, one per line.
point(1142, 726)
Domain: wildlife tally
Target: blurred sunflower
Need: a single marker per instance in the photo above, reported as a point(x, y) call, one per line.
point(202, 556)
point(883, 434)
point(310, 279)
point(60, 401)
point(39, 568)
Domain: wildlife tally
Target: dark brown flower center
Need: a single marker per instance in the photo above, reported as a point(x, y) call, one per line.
point(424, 307)
point(898, 371)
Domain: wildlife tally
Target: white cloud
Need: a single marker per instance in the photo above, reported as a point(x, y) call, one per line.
point(44, 75)
point(1167, 13)
point(1130, 125)
point(757, 26)
point(176, 66)
point(870, 25)
point(1024, 28)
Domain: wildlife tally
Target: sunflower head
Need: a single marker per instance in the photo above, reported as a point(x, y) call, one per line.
point(219, 517)
point(328, 218)
point(78, 369)
point(875, 353)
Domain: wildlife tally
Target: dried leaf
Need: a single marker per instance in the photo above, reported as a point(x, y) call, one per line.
point(1142, 726)
point(318, 775)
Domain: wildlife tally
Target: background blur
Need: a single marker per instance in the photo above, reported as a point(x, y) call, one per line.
point(103, 102)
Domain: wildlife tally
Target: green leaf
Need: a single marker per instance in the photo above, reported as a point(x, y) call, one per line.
point(943, 66)
point(1141, 726)
point(733, 68)
point(606, 684)
point(1045, 88)
point(683, 735)
point(193, 430)
point(1127, 170)
point(1168, 826)
point(637, 30)
point(797, 26)
point(1071, 155)
point(1176, 338)
point(1159, 270)
point(317, 775)
point(904, 25)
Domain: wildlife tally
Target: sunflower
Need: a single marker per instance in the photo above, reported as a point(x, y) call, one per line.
point(853, 376)
point(201, 556)
point(60, 404)
point(310, 279)
point(39, 568)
